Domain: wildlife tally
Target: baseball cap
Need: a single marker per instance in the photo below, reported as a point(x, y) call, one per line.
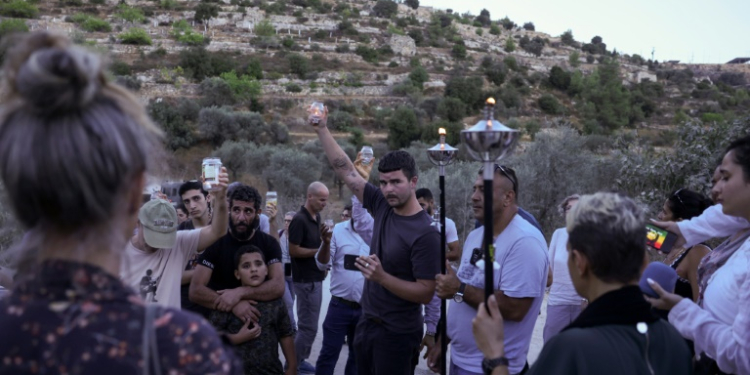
point(159, 220)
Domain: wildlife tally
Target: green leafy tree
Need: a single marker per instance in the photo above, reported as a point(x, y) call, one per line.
point(205, 11)
point(549, 104)
point(459, 51)
point(254, 69)
point(298, 64)
point(605, 99)
point(483, 18)
point(244, 87)
point(510, 45)
point(264, 28)
point(413, 4)
point(216, 92)
point(289, 171)
point(574, 59)
point(217, 125)
point(567, 39)
point(466, 89)
point(177, 120)
point(452, 109)
point(559, 78)
point(529, 26)
point(11, 26)
point(419, 76)
point(403, 128)
point(18, 9)
point(233, 156)
point(130, 14)
point(385, 8)
point(507, 23)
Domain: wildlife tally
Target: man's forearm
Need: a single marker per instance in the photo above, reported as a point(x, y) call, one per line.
point(324, 255)
point(412, 291)
point(203, 295)
point(268, 291)
point(342, 165)
point(186, 277)
point(474, 296)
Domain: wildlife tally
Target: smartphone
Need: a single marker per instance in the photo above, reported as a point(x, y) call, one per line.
point(660, 239)
point(287, 269)
point(350, 261)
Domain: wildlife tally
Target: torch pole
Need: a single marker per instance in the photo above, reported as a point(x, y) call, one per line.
point(442, 322)
point(489, 287)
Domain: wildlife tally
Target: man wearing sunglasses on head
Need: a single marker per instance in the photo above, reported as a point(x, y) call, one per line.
point(520, 279)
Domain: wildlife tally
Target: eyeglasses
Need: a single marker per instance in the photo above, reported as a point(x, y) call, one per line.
point(287, 220)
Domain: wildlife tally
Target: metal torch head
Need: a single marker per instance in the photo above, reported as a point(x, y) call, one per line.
point(490, 140)
point(441, 154)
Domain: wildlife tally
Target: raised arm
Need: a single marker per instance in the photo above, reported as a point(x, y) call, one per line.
point(220, 220)
point(342, 166)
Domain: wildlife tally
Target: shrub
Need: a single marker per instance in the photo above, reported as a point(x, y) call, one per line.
point(559, 78)
point(573, 59)
point(10, 26)
point(534, 46)
point(510, 45)
point(532, 127)
point(129, 82)
point(98, 2)
point(217, 124)
point(529, 26)
point(419, 76)
point(136, 36)
point(200, 63)
point(293, 87)
point(130, 14)
point(254, 69)
point(342, 48)
point(93, 24)
point(549, 104)
point(466, 89)
point(216, 92)
point(413, 4)
point(403, 128)
point(177, 121)
point(511, 63)
point(368, 54)
point(120, 68)
point(459, 51)
point(18, 9)
point(567, 39)
point(244, 88)
point(385, 9)
point(287, 43)
point(298, 64)
point(185, 34)
point(264, 28)
point(451, 109)
point(494, 29)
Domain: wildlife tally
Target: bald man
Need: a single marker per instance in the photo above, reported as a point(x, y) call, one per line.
point(305, 238)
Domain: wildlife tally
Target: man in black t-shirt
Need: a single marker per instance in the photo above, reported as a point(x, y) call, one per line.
point(214, 284)
point(196, 203)
point(304, 242)
point(400, 271)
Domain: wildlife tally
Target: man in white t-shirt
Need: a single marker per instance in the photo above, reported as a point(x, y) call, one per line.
point(425, 199)
point(521, 254)
point(155, 257)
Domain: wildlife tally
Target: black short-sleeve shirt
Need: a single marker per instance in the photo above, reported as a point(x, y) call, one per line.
point(304, 231)
point(220, 257)
point(407, 247)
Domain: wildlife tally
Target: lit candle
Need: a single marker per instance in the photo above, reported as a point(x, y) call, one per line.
point(491, 101)
point(441, 131)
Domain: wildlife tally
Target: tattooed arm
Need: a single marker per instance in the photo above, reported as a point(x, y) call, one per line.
point(341, 164)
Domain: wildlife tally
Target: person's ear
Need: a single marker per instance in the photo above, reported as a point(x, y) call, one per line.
point(237, 274)
point(414, 182)
point(581, 262)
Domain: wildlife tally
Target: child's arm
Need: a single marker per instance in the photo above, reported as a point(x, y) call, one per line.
point(287, 347)
point(245, 334)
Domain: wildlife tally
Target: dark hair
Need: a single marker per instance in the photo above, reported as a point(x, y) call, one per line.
point(245, 193)
point(687, 204)
point(398, 160)
point(741, 148)
point(424, 193)
point(71, 141)
point(348, 207)
point(192, 185)
point(247, 249)
point(181, 206)
point(506, 172)
point(610, 230)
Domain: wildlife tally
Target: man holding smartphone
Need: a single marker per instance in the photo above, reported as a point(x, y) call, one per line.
point(344, 310)
point(400, 271)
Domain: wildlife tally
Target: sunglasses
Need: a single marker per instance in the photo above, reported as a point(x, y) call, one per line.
point(504, 170)
point(677, 195)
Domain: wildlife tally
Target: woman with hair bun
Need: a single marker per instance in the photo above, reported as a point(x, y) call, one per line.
point(74, 150)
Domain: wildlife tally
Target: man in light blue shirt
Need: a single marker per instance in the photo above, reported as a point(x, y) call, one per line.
point(344, 310)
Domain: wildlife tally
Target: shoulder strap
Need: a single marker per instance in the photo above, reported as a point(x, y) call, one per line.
point(150, 348)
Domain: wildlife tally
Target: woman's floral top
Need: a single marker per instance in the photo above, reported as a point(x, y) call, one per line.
point(74, 318)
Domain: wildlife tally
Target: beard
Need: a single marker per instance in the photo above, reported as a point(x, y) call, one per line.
point(241, 230)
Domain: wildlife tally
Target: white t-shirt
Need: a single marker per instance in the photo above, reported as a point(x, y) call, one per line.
point(166, 266)
point(451, 233)
point(521, 252)
point(562, 291)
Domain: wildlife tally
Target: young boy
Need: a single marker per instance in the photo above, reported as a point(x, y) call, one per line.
point(257, 342)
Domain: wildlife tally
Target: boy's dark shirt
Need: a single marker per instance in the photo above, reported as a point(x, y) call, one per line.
point(259, 356)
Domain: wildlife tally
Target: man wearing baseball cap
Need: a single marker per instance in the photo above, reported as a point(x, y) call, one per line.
point(155, 256)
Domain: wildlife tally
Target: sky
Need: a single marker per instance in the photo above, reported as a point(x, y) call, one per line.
point(692, 31)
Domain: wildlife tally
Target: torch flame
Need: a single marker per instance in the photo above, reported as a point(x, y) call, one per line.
point(491, 101)
point(441, 131)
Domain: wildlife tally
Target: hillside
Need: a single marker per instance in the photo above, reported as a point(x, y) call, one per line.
point(234, 79)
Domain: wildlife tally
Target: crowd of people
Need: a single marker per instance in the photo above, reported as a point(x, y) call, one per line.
point(107, 283)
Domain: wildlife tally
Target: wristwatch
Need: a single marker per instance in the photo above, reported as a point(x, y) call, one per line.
point(459, 296)
point(490, 364)
point(430, 333)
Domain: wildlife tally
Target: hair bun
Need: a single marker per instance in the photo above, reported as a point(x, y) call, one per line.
point(59, 78)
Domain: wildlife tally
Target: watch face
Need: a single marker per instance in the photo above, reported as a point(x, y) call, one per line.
point(458, 298)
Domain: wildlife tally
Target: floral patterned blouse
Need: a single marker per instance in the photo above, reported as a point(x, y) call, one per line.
point(75, 318)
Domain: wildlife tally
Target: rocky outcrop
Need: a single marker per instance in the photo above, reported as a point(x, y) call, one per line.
point(402, 45)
